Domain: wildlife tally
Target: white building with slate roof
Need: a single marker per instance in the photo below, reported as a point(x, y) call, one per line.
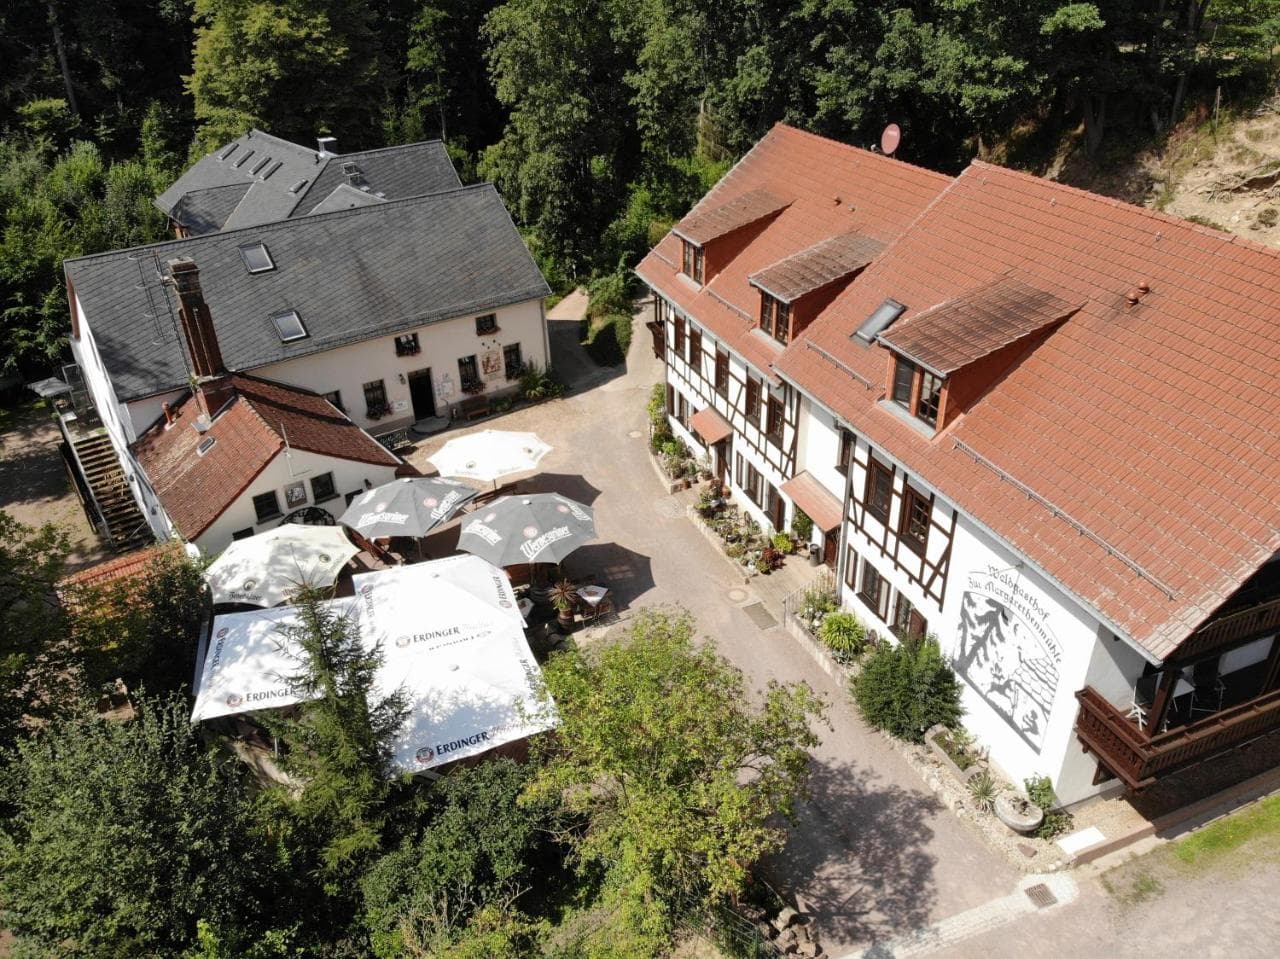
point(374, 279)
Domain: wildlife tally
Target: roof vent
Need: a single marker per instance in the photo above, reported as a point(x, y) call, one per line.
point(228, 151)
point(243, 160)
point(298, 187)
point(879, 321)
point(257, 167)
point(1138, 292)
point(272, 169)
point(205, 445)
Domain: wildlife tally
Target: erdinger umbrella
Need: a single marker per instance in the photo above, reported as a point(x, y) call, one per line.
point(538, 528)
point(412, 506)
point(267, 569)
point(490, 455)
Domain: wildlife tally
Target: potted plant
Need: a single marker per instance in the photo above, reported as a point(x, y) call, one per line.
point(564, 595)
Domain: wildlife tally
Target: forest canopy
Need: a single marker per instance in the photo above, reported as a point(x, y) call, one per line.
point(600, 121)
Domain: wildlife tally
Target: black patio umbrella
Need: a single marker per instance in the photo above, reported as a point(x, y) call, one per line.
point(412, 506)
point(538, 528)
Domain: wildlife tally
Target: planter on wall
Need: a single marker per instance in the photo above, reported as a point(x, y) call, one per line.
point(1020, 815)
point(940, 754)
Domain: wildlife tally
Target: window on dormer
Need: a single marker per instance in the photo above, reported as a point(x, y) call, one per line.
point(917, 390)
point(693, 262)
point(775, 317)
point(930, 398)
point(904, 379)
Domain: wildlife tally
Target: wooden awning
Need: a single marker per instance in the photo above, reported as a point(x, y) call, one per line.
point(814, 498)
point(710, 425)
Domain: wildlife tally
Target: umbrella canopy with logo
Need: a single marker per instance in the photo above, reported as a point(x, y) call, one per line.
point(490, 455)
point(538, 528)
point(267, 569)
point(412, 506)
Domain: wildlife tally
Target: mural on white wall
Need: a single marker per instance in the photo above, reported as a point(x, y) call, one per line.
point(1007, 651)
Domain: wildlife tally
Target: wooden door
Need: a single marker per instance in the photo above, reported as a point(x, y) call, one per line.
point(422, 394)
point(829, 548)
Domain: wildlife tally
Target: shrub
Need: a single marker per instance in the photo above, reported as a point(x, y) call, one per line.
point(607, 340)
point(983, 790)
point(610, 293)
point(539, 383)
point(844, 635)
point(906, 688)
point(783, 543)
point(817, 601)
point(802, 525)
point(1040, 792)
point(657, 406)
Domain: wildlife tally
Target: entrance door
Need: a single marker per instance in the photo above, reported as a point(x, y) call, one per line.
point(829, 548)
point(421, 394)
point(722, 462)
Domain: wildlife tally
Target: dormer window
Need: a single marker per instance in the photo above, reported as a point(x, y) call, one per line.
point(289, 326)
point(693, 263)
point(775, 317)
point(917, 390)
point(256, 259)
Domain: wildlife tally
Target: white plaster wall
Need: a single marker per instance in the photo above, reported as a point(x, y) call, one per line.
point(348, 368)
point(348, 475)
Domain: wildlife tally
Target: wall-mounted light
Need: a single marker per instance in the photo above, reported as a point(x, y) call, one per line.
point(402, 379)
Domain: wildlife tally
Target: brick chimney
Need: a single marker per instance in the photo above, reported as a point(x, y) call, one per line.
point(213, 382)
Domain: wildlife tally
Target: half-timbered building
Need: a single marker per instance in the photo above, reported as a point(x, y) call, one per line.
point(1043, 425)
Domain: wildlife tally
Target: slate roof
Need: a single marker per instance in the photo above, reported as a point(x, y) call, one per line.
point(346, 197)
point(351, 275)
point(279, 179)
point(975, 324)
point(1131, 456)
point(248, 433)
point(206, 211)
point(820, 264)
point(834, 189)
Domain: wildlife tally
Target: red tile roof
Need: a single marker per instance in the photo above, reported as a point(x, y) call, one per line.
point(249, 432)
point(820, 264)
point(1132, 455)
point(975, 324)
point(707, 223)
point(834, 189)
point(129, 567)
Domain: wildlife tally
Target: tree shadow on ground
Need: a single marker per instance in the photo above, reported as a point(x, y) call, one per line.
point(858, 855)
point(574, 366)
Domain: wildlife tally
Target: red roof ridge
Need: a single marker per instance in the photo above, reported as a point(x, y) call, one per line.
point(878, 157)
point(1190, 226)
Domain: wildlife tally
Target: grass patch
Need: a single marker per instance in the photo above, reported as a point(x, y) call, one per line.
point(1133, 889)
point(1231, 832)
point(607, 338)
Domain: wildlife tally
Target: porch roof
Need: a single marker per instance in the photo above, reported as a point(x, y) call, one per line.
point(710, 425)
point(805, 491)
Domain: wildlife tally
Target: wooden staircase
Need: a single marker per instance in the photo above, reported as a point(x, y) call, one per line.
point(119, 520)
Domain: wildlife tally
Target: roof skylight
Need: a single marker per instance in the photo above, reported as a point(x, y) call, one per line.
point(289, 326)
point(256, 258)
point(879, 321)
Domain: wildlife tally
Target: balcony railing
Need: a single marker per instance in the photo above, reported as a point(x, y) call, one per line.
point(1138, 761)
point(1232, 629)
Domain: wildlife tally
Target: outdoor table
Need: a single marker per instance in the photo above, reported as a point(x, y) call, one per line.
point(592, 595)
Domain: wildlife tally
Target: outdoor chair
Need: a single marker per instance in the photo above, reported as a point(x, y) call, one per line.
point(1208, 688)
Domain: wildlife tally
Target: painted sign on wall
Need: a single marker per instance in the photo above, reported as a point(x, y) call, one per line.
point(1007, 651)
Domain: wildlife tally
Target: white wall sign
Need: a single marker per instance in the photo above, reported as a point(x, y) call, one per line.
point(1007, 651)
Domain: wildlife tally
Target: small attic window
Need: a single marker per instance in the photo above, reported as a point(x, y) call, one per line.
point(693, 262)
point(289, 326)
point(205, 445)
point(879, 321)
point(256, 258)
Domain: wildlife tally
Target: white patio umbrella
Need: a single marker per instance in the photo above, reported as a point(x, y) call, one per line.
point(490, 455)
point(267, 569)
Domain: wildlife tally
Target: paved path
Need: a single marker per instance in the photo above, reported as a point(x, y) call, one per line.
point(873, 854)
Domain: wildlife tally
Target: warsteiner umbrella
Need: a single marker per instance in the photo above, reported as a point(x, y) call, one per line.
point(537, 528)
point(412, 506)
point(490, 455)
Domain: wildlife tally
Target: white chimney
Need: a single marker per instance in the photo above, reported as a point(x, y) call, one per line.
point(324, 143)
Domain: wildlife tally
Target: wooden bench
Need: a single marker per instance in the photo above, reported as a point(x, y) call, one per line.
point(474, 406)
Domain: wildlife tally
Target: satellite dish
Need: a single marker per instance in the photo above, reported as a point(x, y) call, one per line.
point(890, 139)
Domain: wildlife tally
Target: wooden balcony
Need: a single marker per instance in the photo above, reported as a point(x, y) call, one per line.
point(1231, 629)
point(1138, 762)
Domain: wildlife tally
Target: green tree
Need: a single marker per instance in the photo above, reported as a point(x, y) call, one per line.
point(295, 68)
point(125, 836)
point(570, 144)
point(31, 562)
point(668, 776)
point(338, 744)
point(469, 850)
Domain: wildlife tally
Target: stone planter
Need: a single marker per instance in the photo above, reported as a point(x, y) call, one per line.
point(940, 754)
point(1018, 813)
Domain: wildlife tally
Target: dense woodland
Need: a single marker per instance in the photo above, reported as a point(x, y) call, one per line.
point(599, 120)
